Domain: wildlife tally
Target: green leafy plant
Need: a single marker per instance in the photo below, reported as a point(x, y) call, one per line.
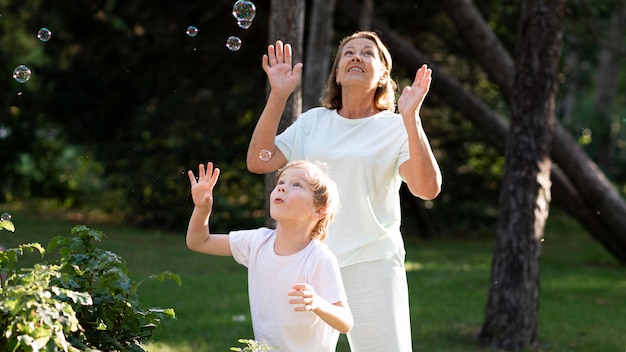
point(84, 300)
point(253, 346)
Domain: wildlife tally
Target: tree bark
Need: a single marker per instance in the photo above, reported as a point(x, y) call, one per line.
point(471, 25)
point(286, 22)
point(511, 319)
point(606, 84)
point(365, 22)
point(318, 51)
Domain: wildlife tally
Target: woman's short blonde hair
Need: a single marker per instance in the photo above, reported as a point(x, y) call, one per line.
point(325, 193)
point(384, 98)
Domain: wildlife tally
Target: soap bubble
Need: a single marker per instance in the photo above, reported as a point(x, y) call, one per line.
point(233, 43)
point(265, 155)
point(44, 34)
point(244, 10)
point(245, 24)
point(5, 217)
point(192, 31)
point(21, 73)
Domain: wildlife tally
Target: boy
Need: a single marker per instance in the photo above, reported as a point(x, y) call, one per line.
point(297, 298)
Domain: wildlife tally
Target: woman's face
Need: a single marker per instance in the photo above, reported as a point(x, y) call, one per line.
point(360, 64)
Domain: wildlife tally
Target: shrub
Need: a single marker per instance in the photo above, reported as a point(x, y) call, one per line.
point(85, 300)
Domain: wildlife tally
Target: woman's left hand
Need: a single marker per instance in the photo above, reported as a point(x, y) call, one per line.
point(412, 97)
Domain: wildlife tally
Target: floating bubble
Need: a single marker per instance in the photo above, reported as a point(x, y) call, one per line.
point(245, 24)
point(265, 155)
point(5, 217)
point(192, 31)
point(21, 73)
point(44, 34)
point(244, 10)
point(233, 43)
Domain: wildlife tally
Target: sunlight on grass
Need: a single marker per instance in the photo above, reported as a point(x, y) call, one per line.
point(179, 347)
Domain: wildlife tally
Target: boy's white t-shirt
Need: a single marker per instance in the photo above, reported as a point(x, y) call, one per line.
point(270, 278)
point(363, 156)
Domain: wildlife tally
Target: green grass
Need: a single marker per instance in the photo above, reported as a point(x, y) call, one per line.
point(582, 305)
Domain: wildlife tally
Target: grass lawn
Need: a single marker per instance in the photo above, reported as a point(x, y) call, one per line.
point(582, 307)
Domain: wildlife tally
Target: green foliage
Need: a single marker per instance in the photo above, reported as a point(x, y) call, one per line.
point(253, 346)
point(37, 315)
point(84, 300)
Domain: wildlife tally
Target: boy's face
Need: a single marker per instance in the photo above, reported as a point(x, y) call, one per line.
point(292, 198)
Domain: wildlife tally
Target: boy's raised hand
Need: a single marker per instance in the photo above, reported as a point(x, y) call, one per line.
point(202, 187)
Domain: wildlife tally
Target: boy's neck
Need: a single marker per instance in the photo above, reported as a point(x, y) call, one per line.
point(291, 240)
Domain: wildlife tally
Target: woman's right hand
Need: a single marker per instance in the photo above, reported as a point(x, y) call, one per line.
point(283, 78)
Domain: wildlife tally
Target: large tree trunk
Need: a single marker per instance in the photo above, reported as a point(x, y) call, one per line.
point(511, 319)
point(286, 22)
point(318, 51)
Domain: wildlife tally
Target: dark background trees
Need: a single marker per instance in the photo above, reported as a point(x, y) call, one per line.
point(122, 102)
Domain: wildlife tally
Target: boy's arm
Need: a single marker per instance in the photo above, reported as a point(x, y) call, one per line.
point(337, 315)
point(199, 238)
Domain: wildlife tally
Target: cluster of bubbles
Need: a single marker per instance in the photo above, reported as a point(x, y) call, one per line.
point(244, 12)
point(22, 73)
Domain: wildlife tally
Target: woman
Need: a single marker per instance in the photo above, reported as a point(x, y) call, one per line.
point(370, 151)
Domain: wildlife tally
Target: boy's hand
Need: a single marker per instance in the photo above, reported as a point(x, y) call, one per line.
point(202, 187)
point(305, 297)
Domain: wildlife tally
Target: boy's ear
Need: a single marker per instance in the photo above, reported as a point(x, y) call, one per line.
point(320, 212)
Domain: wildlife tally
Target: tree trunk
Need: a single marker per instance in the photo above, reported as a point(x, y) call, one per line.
point(318, 51)
point(286, 22)
point(606, 85)
point(511, 319)
point(365, 22)
point(488, 48)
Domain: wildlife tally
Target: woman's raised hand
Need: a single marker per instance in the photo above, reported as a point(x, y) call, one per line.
point(412, 97)
point(277, 64)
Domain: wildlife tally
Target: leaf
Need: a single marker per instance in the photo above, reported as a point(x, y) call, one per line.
point(165, 311)
point(7, 225)
point(82, 298)
point(171, 276)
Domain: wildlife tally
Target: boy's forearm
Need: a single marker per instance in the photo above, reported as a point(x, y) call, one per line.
point(198, 229)
point(337, 316)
